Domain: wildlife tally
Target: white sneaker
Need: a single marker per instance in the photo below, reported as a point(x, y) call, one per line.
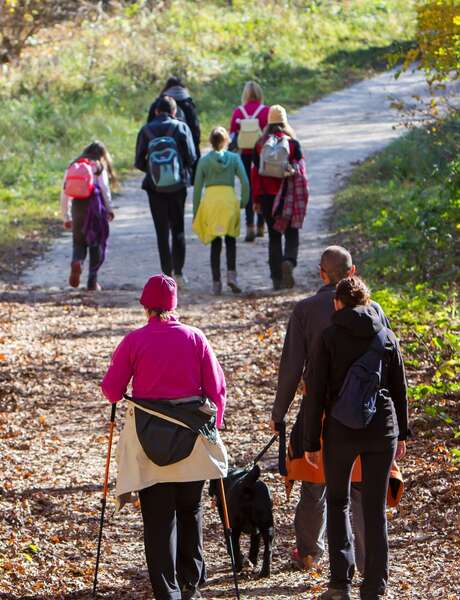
point(181, 281)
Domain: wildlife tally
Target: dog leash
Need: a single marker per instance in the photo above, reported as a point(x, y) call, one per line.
point(281, 428)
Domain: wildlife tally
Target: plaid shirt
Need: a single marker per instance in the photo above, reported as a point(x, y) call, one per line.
point(294, 198)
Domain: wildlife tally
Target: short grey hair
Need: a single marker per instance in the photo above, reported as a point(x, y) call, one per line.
point(336, 261)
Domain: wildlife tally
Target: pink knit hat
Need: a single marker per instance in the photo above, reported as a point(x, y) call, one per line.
point(159, 293)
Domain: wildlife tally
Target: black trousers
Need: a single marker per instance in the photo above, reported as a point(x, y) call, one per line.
point(173, 537)
point(276, 255)
point(247, 162)
point(216, 249)
point(168, 216)
point(376, 459)
point(80, 245)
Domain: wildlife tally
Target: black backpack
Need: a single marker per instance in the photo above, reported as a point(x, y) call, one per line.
point(357, 401)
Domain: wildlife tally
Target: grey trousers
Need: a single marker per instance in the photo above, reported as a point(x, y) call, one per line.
point(310, 521)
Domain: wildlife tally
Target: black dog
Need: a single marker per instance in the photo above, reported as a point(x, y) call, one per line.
point(250, 510)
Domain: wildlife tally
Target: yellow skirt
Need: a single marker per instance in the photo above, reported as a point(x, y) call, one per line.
point(218, 214)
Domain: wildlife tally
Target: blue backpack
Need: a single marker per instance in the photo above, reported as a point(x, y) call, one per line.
point(357, 400)
point(165, 163)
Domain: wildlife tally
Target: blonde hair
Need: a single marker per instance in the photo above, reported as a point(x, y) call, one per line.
point(219, 138)
point(163, 315)
point(252, 91)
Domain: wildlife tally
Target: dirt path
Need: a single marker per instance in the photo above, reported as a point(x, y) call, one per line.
point(336, 133)
point(55, 347)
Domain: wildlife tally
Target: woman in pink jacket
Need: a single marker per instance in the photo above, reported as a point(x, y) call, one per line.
point(174, 372)
point(252, 112)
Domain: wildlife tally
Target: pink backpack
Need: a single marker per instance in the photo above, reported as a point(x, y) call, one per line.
point(79, 179)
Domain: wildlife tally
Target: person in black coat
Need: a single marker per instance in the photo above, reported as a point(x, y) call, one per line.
point(354, 326)
point(186, 110)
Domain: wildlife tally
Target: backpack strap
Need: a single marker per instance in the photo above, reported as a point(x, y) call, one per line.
point(244, 111)
point(258, 110)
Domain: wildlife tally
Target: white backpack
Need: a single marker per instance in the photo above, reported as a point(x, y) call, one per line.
point(274, 157)
point(250, 130)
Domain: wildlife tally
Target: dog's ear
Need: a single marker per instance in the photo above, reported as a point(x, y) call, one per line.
point(252, 476)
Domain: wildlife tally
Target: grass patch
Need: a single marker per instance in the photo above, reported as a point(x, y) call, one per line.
point(399, 214)
point(97, 82)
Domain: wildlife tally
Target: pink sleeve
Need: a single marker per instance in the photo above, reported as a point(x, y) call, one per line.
point(119, 373)
point(234, 125)
point(263, 117)
point(213, 381)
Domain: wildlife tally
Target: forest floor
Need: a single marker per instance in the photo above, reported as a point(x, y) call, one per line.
point(56, 344)
point(53, 440)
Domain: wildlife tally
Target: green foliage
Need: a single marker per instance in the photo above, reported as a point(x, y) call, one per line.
point(405, 202)
point(400, 216)
point(97, 81)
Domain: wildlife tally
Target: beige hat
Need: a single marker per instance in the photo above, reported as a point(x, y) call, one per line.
point(277, 114)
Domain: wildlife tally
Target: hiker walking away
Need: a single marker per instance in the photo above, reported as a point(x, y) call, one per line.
point(86, 206)
point(165, 153)
point(280, 193)
point(170, 443)
point(308, 320)
point(217, 214)
point(246, 126)
point(374, 426)
point(186, 111)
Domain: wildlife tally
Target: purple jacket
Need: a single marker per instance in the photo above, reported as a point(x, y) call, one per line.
point(166, 360)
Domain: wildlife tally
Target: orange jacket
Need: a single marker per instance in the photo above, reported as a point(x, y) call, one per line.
point(299, 470)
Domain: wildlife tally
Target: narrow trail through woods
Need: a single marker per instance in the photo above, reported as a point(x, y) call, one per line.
point(53, 420)
point(336, 132)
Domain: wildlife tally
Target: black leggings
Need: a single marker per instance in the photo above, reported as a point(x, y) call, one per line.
point(168, 217)
point(216, 249)
point(276, 256)
point(376, 459)
point(247, 162)
point(173, 539)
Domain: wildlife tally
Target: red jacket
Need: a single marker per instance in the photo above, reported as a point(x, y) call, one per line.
point(250, 108)
point(269, 186)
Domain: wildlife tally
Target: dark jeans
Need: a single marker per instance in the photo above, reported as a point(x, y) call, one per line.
point(168, 215)
point(80, 246)
point(376, 459)
point(247, 162)
point(173, 537)
point(275, 241)
point(216, 249)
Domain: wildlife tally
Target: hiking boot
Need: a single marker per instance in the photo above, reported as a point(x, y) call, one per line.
point(335, 594)
point(181, 281)
point(250, 233)
point(190, 594)
point(75, 272)
point(303, 563)
point(260, 231)
point(232, 282)
point(288, 279)
point(217, 288)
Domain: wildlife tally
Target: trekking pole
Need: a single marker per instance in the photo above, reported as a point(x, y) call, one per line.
point(228, 535)
point(104, 495)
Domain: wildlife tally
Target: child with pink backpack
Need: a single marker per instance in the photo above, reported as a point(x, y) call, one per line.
point(86, 205)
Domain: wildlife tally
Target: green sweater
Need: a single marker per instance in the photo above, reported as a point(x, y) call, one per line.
point(219, 168)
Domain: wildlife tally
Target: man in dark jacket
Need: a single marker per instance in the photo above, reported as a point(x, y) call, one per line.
point(167, 208)
point(186, 111)
point(309, 319)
